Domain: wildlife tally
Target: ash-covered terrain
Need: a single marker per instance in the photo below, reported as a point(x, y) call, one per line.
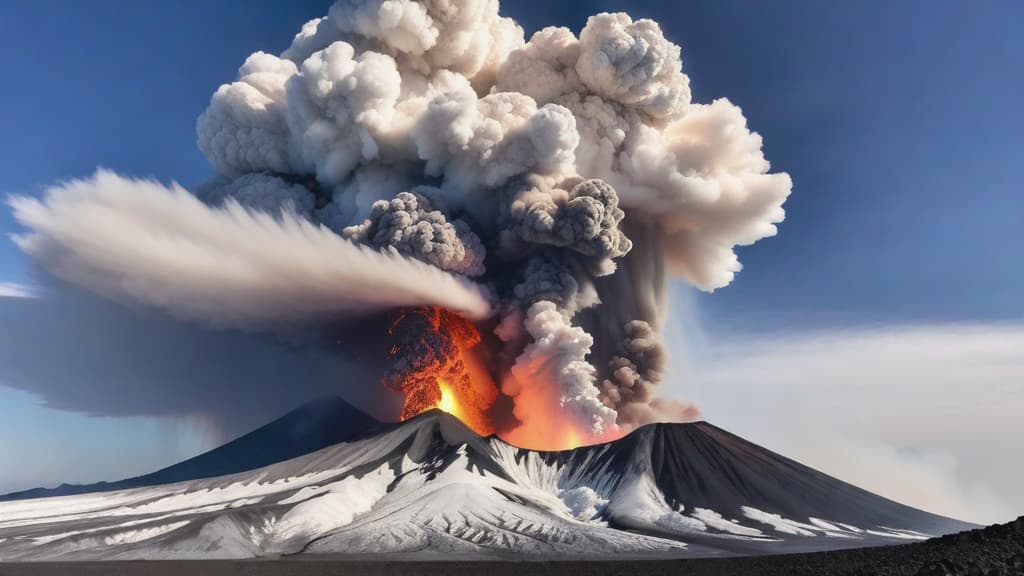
point(431, 488)
point(992, 551)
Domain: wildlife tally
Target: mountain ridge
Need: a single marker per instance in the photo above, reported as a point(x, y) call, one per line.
point(307, 428)
point(429, 487)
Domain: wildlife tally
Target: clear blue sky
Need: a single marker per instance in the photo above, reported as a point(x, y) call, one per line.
point(901, 124)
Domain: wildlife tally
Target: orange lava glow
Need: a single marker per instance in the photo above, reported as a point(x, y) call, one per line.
point(550, 431)
point(545, 422)
point(448, 402)
point(438, 361)
point(445, 370)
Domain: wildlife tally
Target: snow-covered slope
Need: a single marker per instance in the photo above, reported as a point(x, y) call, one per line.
point(310, 427)
point(430, 487)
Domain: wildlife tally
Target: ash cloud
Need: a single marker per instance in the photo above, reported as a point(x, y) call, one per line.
point(580, 215)
point(259, 192)
point(82, 353)
point(407, 153)
point(546, 278)
point(414, 225)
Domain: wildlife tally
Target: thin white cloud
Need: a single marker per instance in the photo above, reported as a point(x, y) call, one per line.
point(927, 415)
point(15, 290)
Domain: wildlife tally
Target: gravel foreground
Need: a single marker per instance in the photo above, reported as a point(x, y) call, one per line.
point(997, 550)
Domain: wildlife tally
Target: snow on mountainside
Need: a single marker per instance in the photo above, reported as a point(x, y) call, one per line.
point(314, 425)
point(430, 487)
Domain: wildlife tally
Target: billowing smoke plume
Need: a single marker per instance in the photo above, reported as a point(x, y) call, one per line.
point(422, 153)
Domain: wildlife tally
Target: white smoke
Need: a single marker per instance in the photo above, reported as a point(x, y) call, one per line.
point(695, 170)
point(141, 241)
point(553, 372)
point(559, 157)
point(244, 128)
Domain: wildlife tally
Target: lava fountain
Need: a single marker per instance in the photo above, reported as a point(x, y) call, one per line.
point(438, 361)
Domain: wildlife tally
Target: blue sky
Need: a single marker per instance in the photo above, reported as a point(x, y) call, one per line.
point(900, 123)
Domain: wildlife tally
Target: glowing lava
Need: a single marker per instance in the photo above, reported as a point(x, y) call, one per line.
point(436, 362)
point(447, 403)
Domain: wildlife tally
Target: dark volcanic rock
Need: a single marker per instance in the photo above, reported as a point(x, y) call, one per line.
point(701, 466)
point(690, 461)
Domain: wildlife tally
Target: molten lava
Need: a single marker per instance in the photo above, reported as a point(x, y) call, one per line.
point(448, 402)
point(438, 360)
point(436, 363)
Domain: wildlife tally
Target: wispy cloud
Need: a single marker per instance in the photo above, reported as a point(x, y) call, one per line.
point(14, 290)
point(926, 415)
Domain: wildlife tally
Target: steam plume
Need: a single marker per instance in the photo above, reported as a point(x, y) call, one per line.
point(409, 153)
point(141, 241)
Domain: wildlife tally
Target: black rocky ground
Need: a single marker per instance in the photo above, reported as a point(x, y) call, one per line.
point(993, 551)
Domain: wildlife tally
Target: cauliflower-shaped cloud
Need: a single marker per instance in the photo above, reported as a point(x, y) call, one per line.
point(582, 215)
point(244, 127)
point(486, 142)
point(632, 63)
point(706, 182)
point(464, 36)
point(546, 152)
point(545, 68)
point(414, 225)
point(627, 63)
point(339, 105)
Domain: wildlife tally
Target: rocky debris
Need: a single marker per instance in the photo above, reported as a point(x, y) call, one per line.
point(996, 550)
point(993, 551)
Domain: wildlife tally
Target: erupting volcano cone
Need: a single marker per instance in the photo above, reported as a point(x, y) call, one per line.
point(435, 364)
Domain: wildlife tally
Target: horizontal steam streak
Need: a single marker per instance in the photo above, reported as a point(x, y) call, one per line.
point(230, 267)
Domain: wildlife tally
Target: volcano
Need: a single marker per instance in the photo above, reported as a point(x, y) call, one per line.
point(430, 487)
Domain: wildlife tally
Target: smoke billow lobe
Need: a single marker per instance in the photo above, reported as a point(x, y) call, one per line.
point(413, 225)
point(579, 215)
point(549, 183)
